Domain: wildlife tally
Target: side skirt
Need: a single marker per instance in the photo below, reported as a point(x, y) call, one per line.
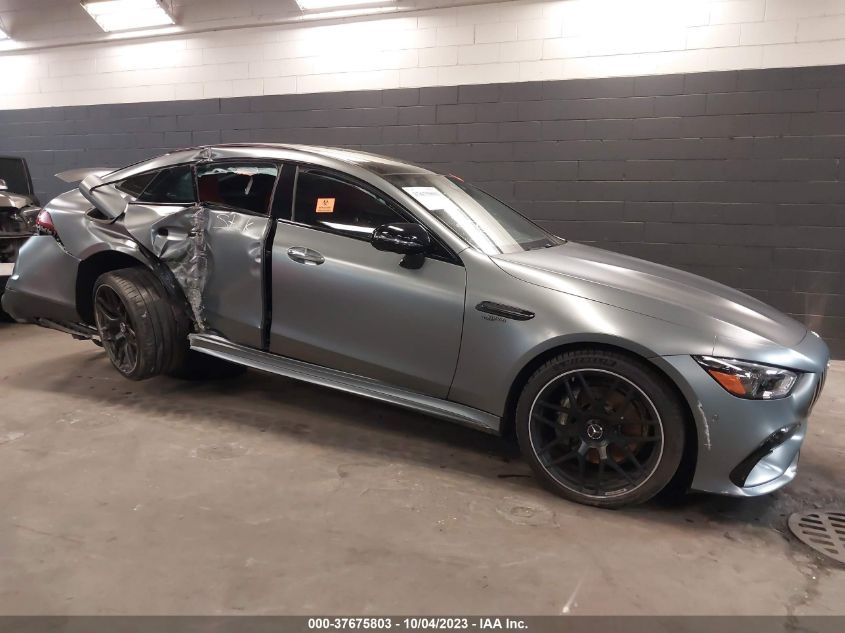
point(77, 330)
point(342, 381)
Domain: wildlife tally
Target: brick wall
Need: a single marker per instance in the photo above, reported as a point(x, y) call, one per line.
point(737, 176)
point(232, 49)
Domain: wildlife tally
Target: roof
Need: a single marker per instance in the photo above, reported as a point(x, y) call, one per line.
point(379, 165)
point(382, 165)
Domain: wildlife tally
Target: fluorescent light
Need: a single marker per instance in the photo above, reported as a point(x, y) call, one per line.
point(312, 5)
point(127, 15)
point(3, 34)
point(157, 31)
point(343, 13)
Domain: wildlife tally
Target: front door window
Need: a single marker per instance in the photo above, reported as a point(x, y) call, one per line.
point(328, 202)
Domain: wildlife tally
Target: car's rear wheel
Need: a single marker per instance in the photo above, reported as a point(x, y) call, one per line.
point(138, 327)
point(601, 428)
point(145, 331)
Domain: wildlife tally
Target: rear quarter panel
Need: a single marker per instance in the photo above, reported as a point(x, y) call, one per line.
point(46, 274)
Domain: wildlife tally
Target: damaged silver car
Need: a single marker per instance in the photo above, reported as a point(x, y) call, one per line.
point(18, 208)
point(619, 378)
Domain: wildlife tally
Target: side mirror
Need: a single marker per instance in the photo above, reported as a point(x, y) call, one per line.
point(406, 238)
point(3, 185)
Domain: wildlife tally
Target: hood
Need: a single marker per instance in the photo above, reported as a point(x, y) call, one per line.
point(654, 290)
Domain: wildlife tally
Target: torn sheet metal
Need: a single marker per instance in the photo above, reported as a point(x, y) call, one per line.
point(189, 241)
point(187, 256)
point(177, 236)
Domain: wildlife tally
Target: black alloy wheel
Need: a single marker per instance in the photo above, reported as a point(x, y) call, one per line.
point(602, 427)
point(143, 330)
point(117, 332)
point(596, 432)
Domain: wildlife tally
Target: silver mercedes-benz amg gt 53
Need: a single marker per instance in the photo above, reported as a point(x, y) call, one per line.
point(619, 378)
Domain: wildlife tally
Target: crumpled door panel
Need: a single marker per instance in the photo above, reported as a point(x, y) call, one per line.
point(216, 256)
point(233, 296)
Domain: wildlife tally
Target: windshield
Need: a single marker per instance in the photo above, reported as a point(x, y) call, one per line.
point(478, 218)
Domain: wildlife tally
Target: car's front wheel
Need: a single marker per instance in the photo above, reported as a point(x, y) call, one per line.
point(601, 428)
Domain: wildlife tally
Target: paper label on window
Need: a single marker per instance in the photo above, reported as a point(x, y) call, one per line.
point(325, 205)
point(431, 198)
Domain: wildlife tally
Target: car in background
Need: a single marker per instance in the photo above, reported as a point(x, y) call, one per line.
point(18, 209)
point(620, 378)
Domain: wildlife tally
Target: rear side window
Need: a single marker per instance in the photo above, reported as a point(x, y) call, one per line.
point(171, 186)
point(329, 202)
point(135, 185)
point(243, 186)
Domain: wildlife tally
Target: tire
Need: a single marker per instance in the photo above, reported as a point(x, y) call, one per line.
point(622, 441)
point(160, 326)
point(133, 310)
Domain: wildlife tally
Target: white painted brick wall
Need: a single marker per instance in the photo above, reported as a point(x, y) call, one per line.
point(713, 36)
point(509, 41)
point(772, 32)
point(737, 11)
point(496, 32)
point(824, 28)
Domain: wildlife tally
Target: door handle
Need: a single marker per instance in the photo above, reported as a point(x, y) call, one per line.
point(302, 255)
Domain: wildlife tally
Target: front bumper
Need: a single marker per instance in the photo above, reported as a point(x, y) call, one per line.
point(43, 284)
point(750, 447)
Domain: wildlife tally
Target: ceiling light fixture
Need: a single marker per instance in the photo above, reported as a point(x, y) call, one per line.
point(334, 14)
point(127, 15)
point(3, 34)
point(322, 5)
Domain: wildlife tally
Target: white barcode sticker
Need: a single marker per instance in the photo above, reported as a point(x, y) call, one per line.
point(431, 198)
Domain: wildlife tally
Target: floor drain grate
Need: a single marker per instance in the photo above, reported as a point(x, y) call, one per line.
point(823, 531)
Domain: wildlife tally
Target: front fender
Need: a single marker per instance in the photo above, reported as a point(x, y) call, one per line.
point(495, 351)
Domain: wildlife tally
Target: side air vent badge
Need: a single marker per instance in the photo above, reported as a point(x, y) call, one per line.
point(506, 311)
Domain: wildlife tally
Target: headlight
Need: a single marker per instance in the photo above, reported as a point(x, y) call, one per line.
point(749, 380)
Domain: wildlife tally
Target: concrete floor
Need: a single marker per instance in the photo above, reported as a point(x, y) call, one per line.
point(262, 495)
